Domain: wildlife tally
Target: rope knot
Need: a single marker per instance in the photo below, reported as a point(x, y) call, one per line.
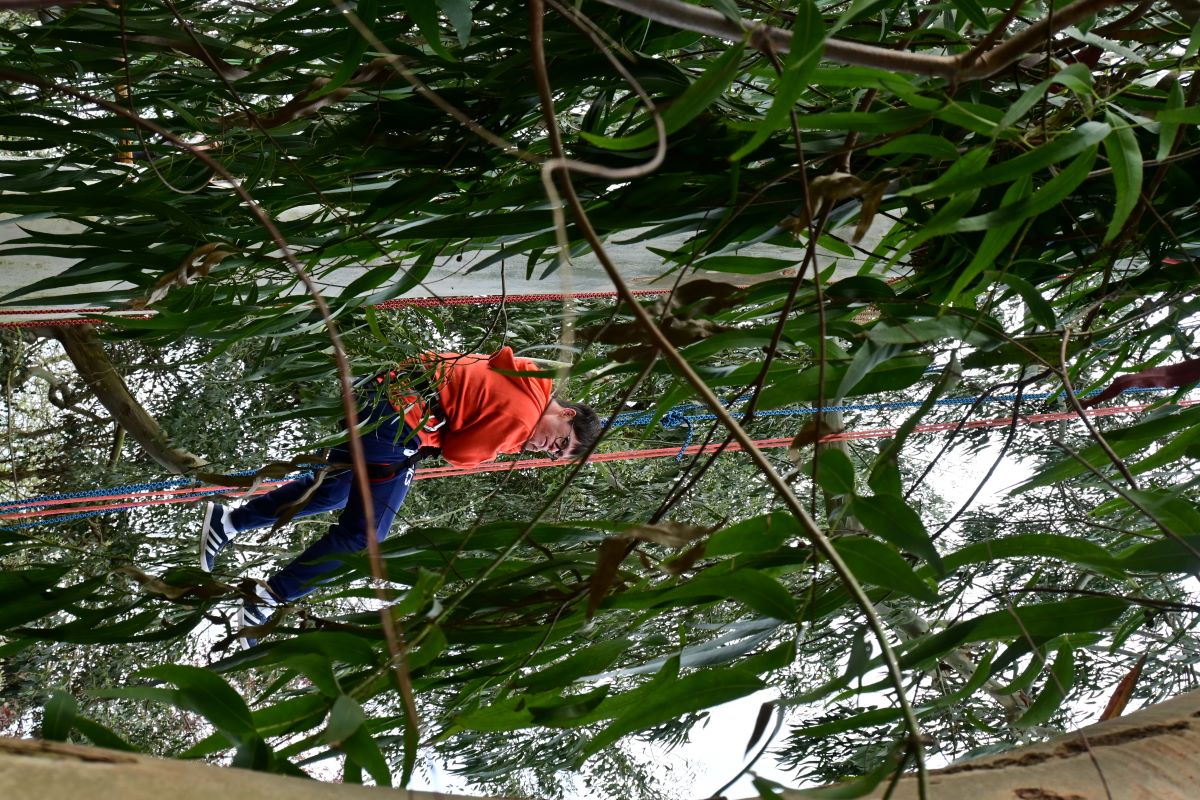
point(673, 419)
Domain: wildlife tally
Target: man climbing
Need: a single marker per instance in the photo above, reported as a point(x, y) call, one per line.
point(468, 408)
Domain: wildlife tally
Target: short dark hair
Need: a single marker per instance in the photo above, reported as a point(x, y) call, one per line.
point(585, 425)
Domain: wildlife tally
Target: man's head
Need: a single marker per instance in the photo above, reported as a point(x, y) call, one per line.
point(565, 430)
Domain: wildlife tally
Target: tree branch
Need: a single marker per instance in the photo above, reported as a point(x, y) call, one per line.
point(765, 37)
point(84, 349)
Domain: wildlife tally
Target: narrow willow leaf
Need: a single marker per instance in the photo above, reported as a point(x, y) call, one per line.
point(702, 93)
point(1058, 685)
point(365, 751)
point(59, 716)
point(101, 736)
point(1077, 77)
point(1048, 196)
point(590, 660)
point(835, 472)
point(1168, 130)
point(425, 14)
point(1123, 442)
point(937, 148)
point(1080, 140)
point(1039, 309)
point(345, 717)
point(756, 589)
point(994, 240)
point(761, 534)
point(1125, 158)
point(893, 520)
point(1037, 620)
point(459, 14)
point(746, 265)
point(694, 692)
point(808, 38)
point(874, 562)
point(207, 694)
point(868, 356)
point(890, 449)
point(1070, 549)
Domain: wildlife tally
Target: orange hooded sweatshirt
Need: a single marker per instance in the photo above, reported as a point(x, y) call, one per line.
point(487, 411)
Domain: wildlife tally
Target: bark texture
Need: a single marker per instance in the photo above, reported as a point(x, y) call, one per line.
point(36, 770)
point(86, 353)
point(1152, 754)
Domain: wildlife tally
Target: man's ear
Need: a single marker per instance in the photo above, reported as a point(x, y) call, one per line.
point(568, 412)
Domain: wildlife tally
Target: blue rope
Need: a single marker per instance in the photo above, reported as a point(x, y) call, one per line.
point(676, 417)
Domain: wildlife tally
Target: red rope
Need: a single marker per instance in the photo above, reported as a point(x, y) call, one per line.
point(183, 495)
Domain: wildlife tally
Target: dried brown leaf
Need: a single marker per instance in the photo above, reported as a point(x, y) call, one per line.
point(872, 196)
point(608, 564)
point(760, 725)
point(671, 534)
point(1124, 690)
point(1172, 376)
point(684, 561)
point(813, 432)
point(196, 265)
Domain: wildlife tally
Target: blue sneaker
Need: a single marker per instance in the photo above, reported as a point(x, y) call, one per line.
point(254, 613)
point(216, 532)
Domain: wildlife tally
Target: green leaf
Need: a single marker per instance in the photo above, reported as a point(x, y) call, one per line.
point(1077, 77)
point(1071, 549)
point(994, 240)
point(890, 518)
point(209, 696)
point(808, 39)
point(746, 265)
point(59, 716)
point(459, 14)
point(1049, 195)
point(101, 736)
point(1037, 621)
point(590, 660)
point(345, 718)
point(1080, 140)
point(874, 562)
point(1058, 685)
point(1155, 429)
point(1167, 131)
point(690, 693)
point(699, 95)
point(1125, 158)
point(756, 589)
point(1164, 556)
point(762, 534)
point(1039, 309)
point(425, 14)
point(364, 751)
point(835, 472)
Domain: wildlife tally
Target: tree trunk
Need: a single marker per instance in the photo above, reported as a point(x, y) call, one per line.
point(37, 770)
point(1153, 754)
point(84, 349)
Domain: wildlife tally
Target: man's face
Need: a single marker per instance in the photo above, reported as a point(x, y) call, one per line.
point(554, 434)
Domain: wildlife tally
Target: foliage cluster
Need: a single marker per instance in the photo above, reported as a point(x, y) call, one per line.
point(1032, 164)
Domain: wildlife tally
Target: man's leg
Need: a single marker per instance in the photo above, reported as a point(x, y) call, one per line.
point(347, 535)
point(264, 510)
point(386, 442)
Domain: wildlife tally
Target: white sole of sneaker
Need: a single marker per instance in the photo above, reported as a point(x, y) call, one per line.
point(209, 508)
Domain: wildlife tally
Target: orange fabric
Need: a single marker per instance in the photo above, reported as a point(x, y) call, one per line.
point(487, 411)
